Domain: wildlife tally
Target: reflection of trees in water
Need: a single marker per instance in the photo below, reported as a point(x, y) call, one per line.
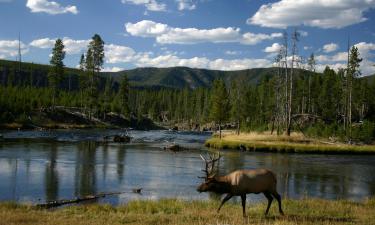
point(120, 166)
point(51, 181)
point(85, 174)
point(298, 175)
point(105, 161)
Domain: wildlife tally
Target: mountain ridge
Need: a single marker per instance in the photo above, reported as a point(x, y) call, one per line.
point(143, 77)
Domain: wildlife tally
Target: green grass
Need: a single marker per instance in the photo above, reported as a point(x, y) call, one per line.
point(179, 212)
point(294, 144)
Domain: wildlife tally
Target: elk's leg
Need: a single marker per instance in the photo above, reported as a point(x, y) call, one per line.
point(243, 198)
point(270, 198)
point(226, 198)
point(278, 198)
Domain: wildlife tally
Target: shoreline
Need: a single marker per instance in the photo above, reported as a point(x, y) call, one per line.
point(263, 142)
point(305, 211)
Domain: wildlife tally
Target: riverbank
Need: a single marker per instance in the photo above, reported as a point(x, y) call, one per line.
point(296, 143)
point(72, 118)
point(179, 212)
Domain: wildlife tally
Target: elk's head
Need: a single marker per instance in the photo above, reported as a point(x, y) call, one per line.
point(207, 185)
point(210, 183)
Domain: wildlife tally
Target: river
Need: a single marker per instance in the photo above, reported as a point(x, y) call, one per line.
point(39, 166)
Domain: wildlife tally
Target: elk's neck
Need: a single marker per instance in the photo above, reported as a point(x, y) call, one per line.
point(222, 179)
point(223, 185)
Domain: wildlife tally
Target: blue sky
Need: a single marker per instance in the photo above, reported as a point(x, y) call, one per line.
point(213, 34)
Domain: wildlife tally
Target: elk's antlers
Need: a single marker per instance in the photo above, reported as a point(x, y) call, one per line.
point(210, 165)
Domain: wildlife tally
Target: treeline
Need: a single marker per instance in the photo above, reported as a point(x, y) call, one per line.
point(333, 104)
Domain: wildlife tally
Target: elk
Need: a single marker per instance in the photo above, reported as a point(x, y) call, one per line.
point(240, 183)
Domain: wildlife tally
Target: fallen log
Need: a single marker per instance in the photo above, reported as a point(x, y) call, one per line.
point(57, 203)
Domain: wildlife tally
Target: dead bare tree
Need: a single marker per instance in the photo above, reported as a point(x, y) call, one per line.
point(295, 40)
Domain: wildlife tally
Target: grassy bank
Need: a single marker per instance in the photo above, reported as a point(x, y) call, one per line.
point(178, 212)
point(265, 142)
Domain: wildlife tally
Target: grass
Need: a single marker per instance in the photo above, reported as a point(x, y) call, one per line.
point(296, 143)
point(179, 212)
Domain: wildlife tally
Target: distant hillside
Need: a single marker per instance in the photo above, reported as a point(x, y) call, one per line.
point(174, 77)
point(181, 77)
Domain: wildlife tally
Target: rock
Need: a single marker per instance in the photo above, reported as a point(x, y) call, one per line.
point(137, 190)
point(173, 147)
point(121, 138)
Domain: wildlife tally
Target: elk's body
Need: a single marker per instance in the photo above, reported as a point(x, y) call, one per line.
point(242, 182)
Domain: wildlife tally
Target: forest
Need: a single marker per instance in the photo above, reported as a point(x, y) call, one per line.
point(332, 104)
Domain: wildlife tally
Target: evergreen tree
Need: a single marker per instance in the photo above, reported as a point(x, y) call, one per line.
point(352, 73)
point(57, 70)
point(124, 95)
point(219, 103)
point(94, 63)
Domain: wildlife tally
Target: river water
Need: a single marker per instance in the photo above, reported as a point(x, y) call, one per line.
point(39, 166)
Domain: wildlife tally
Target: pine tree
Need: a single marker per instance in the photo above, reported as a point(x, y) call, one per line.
point(220, 103)
point(94, 63)
point(57, 70)
point(124, 95)
point(352, 73)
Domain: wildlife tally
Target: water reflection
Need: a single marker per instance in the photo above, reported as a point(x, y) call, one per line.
point(51, 180)
point(85, 171)
point(48, 170)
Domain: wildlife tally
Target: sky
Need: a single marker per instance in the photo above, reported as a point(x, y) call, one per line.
point(211, 34)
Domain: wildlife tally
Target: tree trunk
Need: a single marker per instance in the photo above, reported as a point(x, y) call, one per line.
point(220, 130)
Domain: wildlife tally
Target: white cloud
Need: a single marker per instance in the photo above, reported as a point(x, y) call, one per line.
point(71, 46)
point(339, 59)
point(50, 7)
point(9, 48)
point(165, 34)
point(365, 49)
point(118, 54)
point(200, 62)
point(75, 46)
point(146, 28)
point(330, 47)
point(151, 5)
point(274, 48)
point(185, 5)
point(43, 43)
point(252, 39)
point(112, 69)
point(314, 13)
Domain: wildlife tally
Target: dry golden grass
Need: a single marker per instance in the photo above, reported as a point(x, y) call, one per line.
point(178, 212)
point(296, 142)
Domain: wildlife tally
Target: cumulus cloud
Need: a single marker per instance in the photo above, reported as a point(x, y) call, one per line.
point(151, 5)
point(165, 34)
point(9, 48)
point(118, 54)
point(339, 59)
point(50, 7)
point(314, 13)
point(71, 46)
point(185, 5)
point(330, 47)
point(274, 48)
